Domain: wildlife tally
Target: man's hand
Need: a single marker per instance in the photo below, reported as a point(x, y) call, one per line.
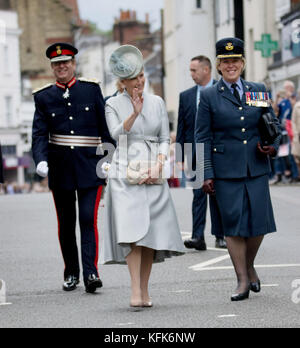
point(267, 150)
point(209, 187)
point(42, 169)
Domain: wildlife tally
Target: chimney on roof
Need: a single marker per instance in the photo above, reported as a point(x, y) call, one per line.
point(147, 18)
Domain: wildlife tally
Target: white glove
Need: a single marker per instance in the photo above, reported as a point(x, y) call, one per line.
point(105, 168)
point(42, 169)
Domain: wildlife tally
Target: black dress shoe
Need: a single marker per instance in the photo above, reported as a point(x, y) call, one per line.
point(221, 243)
point(92, 283)
point(70, 283)
point(198, 244)
point(240, 297)
point(255, 287)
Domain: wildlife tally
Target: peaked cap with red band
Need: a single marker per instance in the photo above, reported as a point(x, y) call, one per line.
point(61, 52)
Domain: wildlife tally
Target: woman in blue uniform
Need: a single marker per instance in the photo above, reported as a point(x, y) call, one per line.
point(236, 164)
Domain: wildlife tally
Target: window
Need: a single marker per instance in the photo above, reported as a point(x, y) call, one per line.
point(6, 56)
point(295, 4)
point(198, 3)
point(5, 5)
point(217, 13)
point(8, 110)
point(9, 150)
point(228, 10)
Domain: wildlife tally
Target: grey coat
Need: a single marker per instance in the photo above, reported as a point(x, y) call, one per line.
point(143, 215)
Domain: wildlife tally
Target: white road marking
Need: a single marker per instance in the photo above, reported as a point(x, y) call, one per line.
point(125, 324)
point(227, 316)
point(3, 294)
point(269, 285)
point(201, 266)
point(217, 249)
point(181, 291)
point(197, 268)
point(204, 265)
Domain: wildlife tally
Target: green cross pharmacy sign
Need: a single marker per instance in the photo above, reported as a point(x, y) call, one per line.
point(266, 45)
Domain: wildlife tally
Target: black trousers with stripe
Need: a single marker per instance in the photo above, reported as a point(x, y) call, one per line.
point(88, 205)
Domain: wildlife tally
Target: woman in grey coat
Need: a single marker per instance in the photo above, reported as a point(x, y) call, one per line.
point(140, 220)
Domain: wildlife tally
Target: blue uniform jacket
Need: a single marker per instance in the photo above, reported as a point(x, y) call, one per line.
point(187, 119)
point(82, 114)
point(229, 132)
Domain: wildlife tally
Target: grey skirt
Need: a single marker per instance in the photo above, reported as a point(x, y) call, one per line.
point(245, 207)
point(141, 215)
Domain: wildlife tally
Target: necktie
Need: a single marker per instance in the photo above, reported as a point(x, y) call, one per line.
point(198, 97)
point(236, 93)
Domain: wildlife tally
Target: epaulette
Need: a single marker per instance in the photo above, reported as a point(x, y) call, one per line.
point(42, 88)
point(83, 79)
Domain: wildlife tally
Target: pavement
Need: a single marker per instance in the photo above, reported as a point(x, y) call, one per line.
point(190, 291)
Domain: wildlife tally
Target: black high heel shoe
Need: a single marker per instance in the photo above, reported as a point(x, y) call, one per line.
point(241, 297)
point(255, 287)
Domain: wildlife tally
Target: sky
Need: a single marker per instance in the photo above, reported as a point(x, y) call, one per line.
point(103, 12)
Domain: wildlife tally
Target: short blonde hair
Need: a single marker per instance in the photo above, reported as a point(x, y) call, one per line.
point(120, 86)
point(218, 62)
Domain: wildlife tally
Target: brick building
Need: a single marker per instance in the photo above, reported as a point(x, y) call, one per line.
point(130, 31)
point(42, 22)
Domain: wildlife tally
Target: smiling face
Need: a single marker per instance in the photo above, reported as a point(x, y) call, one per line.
point(231, 69)
point(64, 71)
point(137, 83)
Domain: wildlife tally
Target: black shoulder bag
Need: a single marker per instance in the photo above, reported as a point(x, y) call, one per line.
point(268, 129)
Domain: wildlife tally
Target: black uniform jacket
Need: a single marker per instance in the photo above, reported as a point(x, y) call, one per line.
point(81, 113)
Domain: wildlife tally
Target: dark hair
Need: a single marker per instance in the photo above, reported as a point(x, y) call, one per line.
point(203, 59)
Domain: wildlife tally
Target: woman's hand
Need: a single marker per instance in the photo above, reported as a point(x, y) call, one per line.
point(137, 102)
point(209, 187)
point(267, 150)
point(154, 174)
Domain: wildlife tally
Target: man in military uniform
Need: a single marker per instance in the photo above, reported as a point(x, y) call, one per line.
point(69, 126)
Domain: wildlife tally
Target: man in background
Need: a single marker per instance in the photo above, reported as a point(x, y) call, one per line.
point(201, 73)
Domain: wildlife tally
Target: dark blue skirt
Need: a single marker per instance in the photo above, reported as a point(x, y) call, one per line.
point(245, 207)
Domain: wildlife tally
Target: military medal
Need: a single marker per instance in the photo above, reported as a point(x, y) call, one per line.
point(248, 98)
point(258, 99)
point(66, 95)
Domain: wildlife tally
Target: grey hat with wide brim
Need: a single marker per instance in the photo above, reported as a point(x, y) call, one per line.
point(126, 62)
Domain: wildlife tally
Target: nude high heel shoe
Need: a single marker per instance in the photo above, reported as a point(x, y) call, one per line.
point(148, 304)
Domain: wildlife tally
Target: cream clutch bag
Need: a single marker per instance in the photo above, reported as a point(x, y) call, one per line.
point(138, 170)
